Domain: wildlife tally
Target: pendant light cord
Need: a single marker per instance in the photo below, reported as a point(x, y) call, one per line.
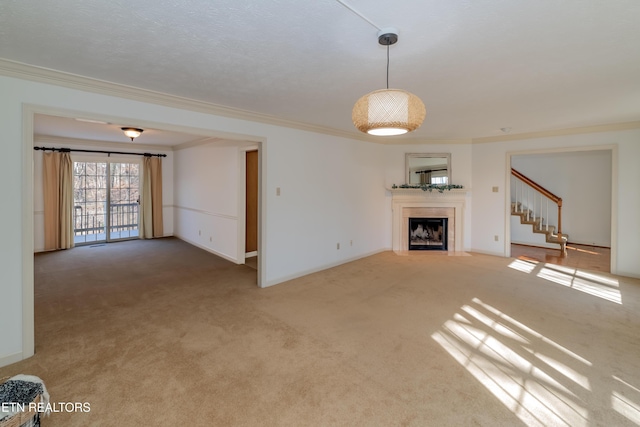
point(387, 66)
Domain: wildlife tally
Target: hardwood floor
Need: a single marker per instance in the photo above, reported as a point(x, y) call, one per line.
point(577, 256)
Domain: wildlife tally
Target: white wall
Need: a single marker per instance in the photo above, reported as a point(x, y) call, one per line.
point(38, 197)
point(490, 210)
point(206, 198)
point(333, 191)
point(460, 175)
point(583, 180)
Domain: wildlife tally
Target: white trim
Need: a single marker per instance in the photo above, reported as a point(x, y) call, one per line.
point(28, 115)
point(252, 147)
point(200, 211)
point(11, 359)
point(48, 76)
point(219, 142)
point(323, 267)
point(614, 194)
point(609, 127)
point(251, 254)
point(262, 215)
point(614, 213)
point(485, 252)
point(198, 245)
point(507, 207)
point(207, 134)
point(242, 202)
point(416, 198)
point(28, 308)
point(87, 84)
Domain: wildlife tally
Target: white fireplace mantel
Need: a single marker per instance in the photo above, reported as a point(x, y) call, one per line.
point(412, 202)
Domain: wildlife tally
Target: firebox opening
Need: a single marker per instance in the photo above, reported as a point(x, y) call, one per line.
point(428, 234)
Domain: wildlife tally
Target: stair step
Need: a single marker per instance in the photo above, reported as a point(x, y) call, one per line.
point(537, 227)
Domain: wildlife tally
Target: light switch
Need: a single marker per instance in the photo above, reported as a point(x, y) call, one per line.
point(277, 191)
point(495, 189)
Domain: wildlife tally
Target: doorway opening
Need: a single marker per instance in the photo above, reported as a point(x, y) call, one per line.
point(575, 175)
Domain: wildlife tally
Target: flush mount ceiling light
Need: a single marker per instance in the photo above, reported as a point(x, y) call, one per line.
point(387, 112)
point(132, 132)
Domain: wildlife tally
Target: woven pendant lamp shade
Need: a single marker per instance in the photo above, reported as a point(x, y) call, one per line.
point(388, 112)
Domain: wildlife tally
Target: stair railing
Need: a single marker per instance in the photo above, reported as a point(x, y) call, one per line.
point(527, 193)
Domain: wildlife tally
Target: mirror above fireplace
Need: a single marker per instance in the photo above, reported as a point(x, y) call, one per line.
point(428, 168)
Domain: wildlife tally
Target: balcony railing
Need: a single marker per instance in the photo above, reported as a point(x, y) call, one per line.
point(123, 217)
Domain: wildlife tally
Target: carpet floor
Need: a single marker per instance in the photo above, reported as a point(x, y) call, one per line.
point(162, 333)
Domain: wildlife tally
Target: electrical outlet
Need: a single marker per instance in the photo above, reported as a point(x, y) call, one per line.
point(210, 239)
point(495, 238)
point(494, 189)
point(199, 232)
point(277, 191)
point(350, 242)
point(338, 246)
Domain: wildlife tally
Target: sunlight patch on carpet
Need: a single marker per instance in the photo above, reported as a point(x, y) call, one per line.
point(525, 266)
point(589, 283)
point(623, 403)
point(539, 380)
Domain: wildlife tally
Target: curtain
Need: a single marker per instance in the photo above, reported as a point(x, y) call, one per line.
point(425, 177)
point(58, 200)
point(151, 202)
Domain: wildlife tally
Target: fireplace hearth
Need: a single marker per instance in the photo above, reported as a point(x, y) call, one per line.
point(428, 234)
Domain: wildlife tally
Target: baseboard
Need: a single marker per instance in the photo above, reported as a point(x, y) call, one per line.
point(483, 252)
point(251, 254)
point(625, 274)
point(220, 254)
point(591, 245)
point(323, 267)
point(11, 359)
point(544, 245)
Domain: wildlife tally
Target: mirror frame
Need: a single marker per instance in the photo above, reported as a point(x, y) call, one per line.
point(409, 156)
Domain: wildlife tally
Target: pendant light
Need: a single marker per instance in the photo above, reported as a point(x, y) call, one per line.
point(132, 132)
point(387, 112)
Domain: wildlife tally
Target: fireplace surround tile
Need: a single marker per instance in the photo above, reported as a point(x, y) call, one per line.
point(410, 203)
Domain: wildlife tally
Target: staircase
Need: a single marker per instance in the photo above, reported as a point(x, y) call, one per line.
point(533, 203)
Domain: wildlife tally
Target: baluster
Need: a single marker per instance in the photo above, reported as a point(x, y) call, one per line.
point(520, 201)
point(547, 219)
point(534, 205)
point(517, 188)
point(528, 203)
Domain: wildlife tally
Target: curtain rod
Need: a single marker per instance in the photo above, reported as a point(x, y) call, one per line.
point(67, 150)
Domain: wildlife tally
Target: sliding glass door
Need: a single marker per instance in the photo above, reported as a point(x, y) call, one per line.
point(106, 201)
point(124, 200)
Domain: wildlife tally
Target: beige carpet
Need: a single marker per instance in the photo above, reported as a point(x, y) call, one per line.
point(161, 333)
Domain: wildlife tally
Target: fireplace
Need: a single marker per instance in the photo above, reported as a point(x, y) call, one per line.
point(428, 234)
point(415, 203)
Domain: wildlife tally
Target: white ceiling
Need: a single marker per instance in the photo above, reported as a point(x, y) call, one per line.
point(478, 65)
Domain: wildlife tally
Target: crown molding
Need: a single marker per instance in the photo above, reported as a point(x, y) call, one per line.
point(559, 132)
point(63, 141)
point(73, 81)
point(219, 142)
point(419, 141)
